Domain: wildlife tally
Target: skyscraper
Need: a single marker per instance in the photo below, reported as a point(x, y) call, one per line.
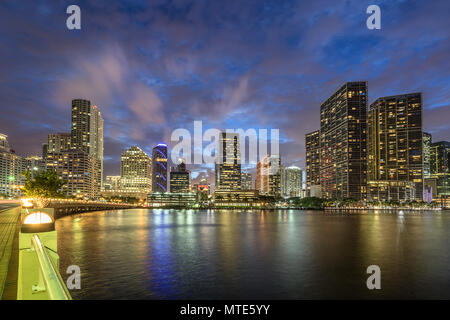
point(343, 128)
point(58, 142)
point(312, 143)
point(292, 181)
point(112, 183)
point(440, 167)
point(228, 162)
point(11, 168)
point(44, 150)
point(395, 146)
point(78, 169)
point(246, 181)
point(34, 164)
point(87, 132)
point(135, 171)
point(4, 145)
point(427, 139)
point(159, 168)
point(180, 179)
point(268, 175)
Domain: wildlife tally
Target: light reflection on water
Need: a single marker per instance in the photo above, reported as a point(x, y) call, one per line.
point(286, 254)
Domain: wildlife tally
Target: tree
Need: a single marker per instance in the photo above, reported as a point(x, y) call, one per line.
point(311, 203)
point(44, 185)
point(203, 196)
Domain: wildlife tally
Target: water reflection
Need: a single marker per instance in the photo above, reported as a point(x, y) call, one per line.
point(286, 254)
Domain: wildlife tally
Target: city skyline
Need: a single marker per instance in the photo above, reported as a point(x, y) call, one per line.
point(149, 73)
point(62, 142)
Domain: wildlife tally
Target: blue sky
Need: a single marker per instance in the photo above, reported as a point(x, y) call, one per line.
point(154, 66)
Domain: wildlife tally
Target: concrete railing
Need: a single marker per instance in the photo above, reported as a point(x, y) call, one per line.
point(49, 277)
point(38, 269)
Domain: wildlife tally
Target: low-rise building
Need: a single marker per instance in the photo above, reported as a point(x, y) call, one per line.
point(236, 198)
point(169, 199)
point(386, 190)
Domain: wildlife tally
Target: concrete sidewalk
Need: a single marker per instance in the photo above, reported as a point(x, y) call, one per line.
point(9, 221)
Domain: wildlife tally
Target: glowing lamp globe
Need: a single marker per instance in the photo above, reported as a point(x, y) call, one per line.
point(37, 222)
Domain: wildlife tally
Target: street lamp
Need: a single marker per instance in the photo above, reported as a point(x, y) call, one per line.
point(37, 221)
point(26, 203)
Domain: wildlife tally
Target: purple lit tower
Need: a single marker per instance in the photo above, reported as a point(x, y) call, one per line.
point(159, 168)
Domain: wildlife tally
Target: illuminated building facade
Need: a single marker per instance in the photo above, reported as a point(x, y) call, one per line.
point(440, 167)
point(238, 198)
point(228, 163)
point(427, 139)
point(246, 181)
point(78, 169)
point(11, 168)
point(386, 190)
point(292, 182)
point(268, 175)
point(4, 145)
point(343, 145)
point(395, 144)
point(312, 143)
point(111, 183)
point(202, 188)
point(159, 168)
point(179, 179)
point(87, 133)
point(58, 142)
point(34, 164)
point(170, 199)
point(135, 171)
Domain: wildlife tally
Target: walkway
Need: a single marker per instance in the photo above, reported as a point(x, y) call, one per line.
point(9, 215)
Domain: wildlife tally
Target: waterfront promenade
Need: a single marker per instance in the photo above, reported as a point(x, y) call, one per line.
point(9, 218)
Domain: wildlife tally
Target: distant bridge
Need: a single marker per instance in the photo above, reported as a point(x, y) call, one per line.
point(68, 207)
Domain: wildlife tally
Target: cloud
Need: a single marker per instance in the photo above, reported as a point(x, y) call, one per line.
point(152, 67)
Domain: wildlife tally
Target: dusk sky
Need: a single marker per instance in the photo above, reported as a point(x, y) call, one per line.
point(154, 66)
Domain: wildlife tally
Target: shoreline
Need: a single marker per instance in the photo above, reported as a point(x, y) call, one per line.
point(312, 209)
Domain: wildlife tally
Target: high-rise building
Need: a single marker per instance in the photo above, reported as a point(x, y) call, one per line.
point(34, 164)
point(111, 183)
point(395, 148)
point(180, 179)
point(12, 167)
point(440, 167)
point(59, 142)
point(87, 133)
point(44, 150)
point(135, 171)
point(159, 168)
point(312, 143)
point(343, 143)
point(246, 181)
point(292, 181)
point(4, 145)
point(78, 169)
point(268, 175)
point(427, 139)
point(228, 162)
